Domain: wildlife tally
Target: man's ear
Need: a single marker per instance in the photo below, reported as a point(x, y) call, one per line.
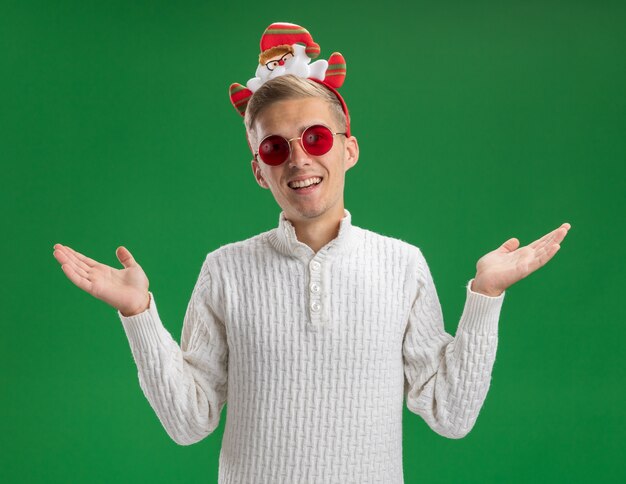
point(351, 148)
point(258, 176)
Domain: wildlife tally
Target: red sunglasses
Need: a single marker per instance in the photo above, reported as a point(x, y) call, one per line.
point(316, 140)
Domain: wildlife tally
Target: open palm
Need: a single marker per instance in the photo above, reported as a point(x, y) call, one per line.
point(124, 289)
point(506, 265)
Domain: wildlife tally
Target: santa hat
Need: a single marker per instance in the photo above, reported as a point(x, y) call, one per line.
point(283, 33)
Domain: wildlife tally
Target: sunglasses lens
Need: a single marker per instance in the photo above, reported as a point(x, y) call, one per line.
point(317, 140)
point(274, 150)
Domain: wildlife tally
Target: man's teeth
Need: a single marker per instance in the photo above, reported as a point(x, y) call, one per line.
point(305, 183)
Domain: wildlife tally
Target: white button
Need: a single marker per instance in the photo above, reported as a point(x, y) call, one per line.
point(315, 288)
point(315, 265)
point(315, 306)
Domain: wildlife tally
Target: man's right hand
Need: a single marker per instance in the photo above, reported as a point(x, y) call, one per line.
point(124, 289)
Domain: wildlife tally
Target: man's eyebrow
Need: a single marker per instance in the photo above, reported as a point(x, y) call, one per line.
point(311, 123)
point(299, 130)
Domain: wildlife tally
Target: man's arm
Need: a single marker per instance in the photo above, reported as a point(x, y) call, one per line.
point(446, 378)
point(186, 385)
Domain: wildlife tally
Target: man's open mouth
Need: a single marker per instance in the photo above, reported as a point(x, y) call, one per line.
point(302, 184)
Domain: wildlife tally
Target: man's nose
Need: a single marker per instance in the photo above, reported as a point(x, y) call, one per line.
point(281, 62)
point(298, 155)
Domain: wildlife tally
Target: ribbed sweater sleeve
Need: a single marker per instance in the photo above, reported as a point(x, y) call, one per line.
point(447, 378)
point(186, 385)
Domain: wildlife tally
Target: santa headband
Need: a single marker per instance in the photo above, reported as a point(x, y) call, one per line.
point(288, 49)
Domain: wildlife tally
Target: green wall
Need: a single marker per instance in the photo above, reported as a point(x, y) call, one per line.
point(476, 123)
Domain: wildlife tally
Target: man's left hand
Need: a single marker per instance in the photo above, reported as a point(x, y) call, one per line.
point(506, 265)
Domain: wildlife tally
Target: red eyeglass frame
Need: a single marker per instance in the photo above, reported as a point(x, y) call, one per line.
point(258, 155)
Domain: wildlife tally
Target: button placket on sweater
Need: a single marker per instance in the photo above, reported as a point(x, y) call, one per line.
point(318, 265)
point(316, 308)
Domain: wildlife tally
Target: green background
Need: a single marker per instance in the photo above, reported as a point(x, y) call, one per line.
point(476, 123)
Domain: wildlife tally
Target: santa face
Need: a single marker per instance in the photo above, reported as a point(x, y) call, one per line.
point(323, 199)
point(278, 60)
point(296, 64)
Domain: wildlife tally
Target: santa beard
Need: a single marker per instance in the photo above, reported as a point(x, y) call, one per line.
point(298, 65)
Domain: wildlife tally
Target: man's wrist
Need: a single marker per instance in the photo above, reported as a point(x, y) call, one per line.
point(138, 311)
point(478, 287)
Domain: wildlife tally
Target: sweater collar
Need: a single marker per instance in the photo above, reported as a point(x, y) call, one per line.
point(285, 240)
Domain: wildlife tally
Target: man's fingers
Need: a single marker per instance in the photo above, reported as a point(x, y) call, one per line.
point(125, 257)
point(83, 258)
point(557, 235)
point(509, 246)
point(67, 258)
point(79, 266)
point(543, 255)
point(561, 232)
point(549, 253)
point(537, 244)
point(76, 278)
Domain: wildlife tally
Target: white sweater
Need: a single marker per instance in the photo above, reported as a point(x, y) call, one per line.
point(315, 353)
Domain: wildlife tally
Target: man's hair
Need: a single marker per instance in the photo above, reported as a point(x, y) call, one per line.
point(287, 87)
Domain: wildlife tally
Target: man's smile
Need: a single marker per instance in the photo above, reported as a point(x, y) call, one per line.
point(302, 185)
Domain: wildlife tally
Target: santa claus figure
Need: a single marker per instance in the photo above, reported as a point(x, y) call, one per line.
point(286, 59)
point(288, 49)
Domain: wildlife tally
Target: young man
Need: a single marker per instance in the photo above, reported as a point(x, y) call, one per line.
point(317, 330)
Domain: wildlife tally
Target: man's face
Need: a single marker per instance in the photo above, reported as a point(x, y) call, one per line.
point(288, 119)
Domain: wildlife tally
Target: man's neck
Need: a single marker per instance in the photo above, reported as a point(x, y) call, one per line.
point(318, 232)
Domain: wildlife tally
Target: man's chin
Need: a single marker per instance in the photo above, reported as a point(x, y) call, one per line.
point(304, 213)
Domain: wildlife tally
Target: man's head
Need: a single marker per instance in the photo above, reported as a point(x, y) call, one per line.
point(284, 88)
point(285, 106)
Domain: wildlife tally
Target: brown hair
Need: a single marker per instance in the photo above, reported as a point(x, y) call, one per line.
point(287, 87)
point(273, 52)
